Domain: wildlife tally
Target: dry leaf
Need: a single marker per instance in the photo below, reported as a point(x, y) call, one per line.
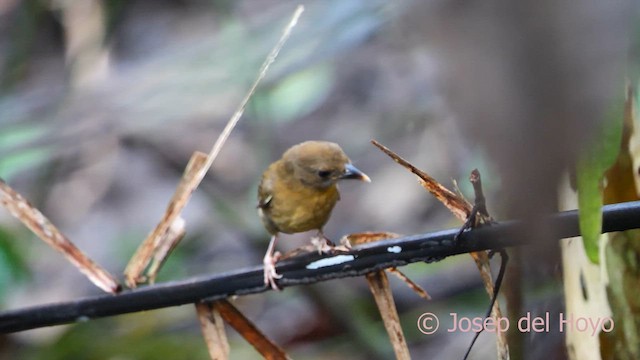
point(461, 209)
point(456, 204)
point(249, 331)
point(379, 286)
point(194, 173)
point(45, 230)
point(412, 285)
point(161, 237)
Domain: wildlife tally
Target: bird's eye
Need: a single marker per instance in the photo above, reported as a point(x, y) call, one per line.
point(324, 173)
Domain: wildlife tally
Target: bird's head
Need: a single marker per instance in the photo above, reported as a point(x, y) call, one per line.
point(320, 164)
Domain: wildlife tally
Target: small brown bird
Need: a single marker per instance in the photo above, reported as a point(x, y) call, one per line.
point(298, 192)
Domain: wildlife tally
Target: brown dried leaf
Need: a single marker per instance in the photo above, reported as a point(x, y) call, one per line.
point(412, 285)
point(163, 250)
point(249, 331)
point(456, 204)
point(45, 230)
point(461, 208)
point(354, 239)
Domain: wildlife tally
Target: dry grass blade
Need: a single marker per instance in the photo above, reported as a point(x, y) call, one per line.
point(249, 331)
point(168, 242)
point(213, 331)
point(456, 204)
point(215, 150)
point(45, 230)
point(160, 237)
point(412, 285)
point(194, 174)
point(379, 286)
point(462, 209)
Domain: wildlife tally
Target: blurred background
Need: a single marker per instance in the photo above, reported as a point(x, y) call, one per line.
point(103, 102)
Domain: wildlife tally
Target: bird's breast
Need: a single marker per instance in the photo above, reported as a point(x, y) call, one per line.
point(301, 209)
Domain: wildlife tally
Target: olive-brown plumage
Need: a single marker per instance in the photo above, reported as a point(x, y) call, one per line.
point(298, 192)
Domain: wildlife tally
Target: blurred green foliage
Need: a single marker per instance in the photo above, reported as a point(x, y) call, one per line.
point(13, 268)
point(590, 174)
point(294, 96)
point(623, 266)
point(20, 137)
point(125, 338)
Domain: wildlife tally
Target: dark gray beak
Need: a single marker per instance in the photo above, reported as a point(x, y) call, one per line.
point(351, 172)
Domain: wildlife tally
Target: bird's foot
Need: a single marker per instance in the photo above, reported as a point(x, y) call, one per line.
point(322, 244)
point(270, 274)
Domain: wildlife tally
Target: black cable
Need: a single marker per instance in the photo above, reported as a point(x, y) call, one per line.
point(504, 259)
point(306, 269)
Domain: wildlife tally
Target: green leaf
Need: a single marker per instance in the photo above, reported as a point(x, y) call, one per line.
point(589, 205)
point(590, 174)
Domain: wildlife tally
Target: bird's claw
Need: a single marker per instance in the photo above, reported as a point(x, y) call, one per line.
point(322, 244)
point(270, 274)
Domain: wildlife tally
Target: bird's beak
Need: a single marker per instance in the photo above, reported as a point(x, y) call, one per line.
point(351, 172)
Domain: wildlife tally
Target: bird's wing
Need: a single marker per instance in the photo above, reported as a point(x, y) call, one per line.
point(265, 194)
point(264, 203)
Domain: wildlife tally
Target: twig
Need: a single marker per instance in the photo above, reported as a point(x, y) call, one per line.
point(480, 216)
point(480, 201)
point(381, 291)
point(213, 331)
point(307, 269)
point(379, 286)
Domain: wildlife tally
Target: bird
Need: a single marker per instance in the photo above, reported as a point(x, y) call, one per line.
point(298, 192)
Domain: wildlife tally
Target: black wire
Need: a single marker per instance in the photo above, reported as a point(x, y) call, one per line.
point(366, 258)
point(504, 259)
